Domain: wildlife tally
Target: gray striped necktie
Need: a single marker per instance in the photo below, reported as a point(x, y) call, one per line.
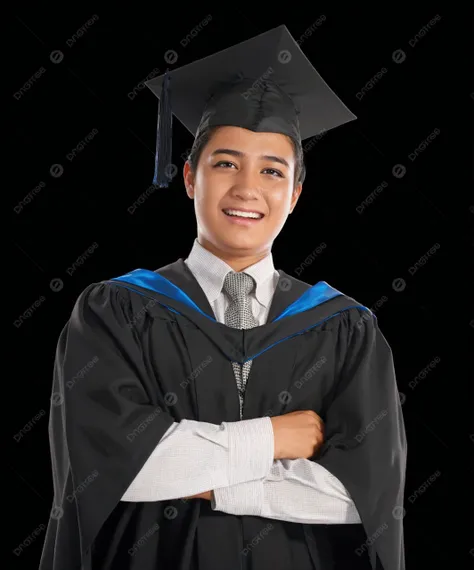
point(238, 314)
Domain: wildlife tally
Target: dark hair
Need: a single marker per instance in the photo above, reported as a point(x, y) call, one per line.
point(205, 135)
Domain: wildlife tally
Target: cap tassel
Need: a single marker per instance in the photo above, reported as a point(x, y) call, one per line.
point(163, 166)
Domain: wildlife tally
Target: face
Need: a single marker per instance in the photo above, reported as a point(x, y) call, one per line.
point(240, 170)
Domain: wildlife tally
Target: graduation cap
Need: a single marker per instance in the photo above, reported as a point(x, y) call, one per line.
point(264, 84)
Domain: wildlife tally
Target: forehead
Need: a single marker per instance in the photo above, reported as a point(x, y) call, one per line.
point(250, 142)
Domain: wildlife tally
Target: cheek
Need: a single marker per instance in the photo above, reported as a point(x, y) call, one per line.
point(279, 200)
point(208, 196)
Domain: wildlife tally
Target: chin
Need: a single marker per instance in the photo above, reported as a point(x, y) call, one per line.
point(239, 242)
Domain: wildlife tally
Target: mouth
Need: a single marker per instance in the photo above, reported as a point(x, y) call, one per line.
point(243, 217)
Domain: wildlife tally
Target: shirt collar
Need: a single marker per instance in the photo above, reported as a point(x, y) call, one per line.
point(210, 272)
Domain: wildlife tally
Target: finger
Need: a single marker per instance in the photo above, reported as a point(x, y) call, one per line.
point(311, 413)
point(319, 421)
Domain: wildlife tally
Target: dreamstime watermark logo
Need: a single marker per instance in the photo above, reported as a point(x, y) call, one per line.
point(171, 55)
point(141, 313)
point(82, 372)
point(371, 539)
point(141, 199)
point(82, 258)
point(284, 56)
point(368, 315)
point(142, 84)
point(399, 284)
point(424, 487)
point(29, 83)
point(424, 373)
point(57, 399)
point(190, 36)
point(424, 259)
point(195, 373)
point(29, 540)
point(55, 57)
point(313, 141)
point(284, 397)
point(29, 197)
point(310, 372)
point(257, 538)
point(424, 31)
point(398, 513)
point(371, 426)
point(144, 424)
point(310, 31)
point(423, 145)
point(399, 55)
point(143, 539)
point(399, 171)
point(57, 284)
point(82, 30)
point(371, 197)
point(311, 257)
point(170, 172)
point(284, 284)
point(29, 312)
point(83, 486)
point(29, 426)
point(57, 169)
point(258, 84)
point(371, 83)
point(81, 145)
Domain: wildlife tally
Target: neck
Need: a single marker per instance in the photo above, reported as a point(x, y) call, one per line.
point(236, 260)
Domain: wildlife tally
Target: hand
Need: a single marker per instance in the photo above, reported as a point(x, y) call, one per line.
point(297, 434)
point(206, 495)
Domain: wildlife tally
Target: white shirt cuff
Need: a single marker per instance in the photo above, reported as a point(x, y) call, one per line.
point(251, 449)
point(242, 499)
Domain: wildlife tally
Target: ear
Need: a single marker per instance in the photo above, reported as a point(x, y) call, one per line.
point(188, 176)
point(296, 194)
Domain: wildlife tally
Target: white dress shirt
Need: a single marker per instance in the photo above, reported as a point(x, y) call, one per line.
point(236, 459)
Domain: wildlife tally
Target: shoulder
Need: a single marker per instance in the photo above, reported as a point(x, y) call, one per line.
point(108, 299)
point(344, 310)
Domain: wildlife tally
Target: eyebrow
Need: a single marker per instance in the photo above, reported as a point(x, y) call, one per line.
point(240, 154)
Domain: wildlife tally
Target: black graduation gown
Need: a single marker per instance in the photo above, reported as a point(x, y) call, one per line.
point(144, 350)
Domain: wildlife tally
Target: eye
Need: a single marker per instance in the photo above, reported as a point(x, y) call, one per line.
point(222, 163)
point(277, 172)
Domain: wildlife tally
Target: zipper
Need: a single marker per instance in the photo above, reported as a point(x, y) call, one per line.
point(241, 526)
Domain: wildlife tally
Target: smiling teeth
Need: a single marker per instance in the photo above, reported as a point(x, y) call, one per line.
point(243, 214)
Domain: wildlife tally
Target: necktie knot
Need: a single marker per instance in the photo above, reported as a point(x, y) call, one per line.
point(238, 285)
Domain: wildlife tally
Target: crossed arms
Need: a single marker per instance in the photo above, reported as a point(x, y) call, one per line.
point(254, 467)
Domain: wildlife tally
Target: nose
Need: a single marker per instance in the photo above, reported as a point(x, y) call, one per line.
point(246, 185)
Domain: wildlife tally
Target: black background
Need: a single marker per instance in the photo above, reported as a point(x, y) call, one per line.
point(93, 80)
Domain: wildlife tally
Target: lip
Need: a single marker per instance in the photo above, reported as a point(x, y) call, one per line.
point(243, 210)
point(242, 221)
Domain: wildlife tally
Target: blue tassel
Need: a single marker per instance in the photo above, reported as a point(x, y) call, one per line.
point(163, 166)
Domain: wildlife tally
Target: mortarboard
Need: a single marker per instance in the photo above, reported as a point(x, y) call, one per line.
point(264, 84)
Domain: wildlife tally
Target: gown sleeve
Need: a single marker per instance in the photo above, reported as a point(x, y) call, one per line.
point(107, 416)
point(365, 443)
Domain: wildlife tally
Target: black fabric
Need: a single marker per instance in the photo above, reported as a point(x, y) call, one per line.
point(131, 361)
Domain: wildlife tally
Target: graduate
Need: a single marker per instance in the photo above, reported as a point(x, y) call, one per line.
point(217, 413)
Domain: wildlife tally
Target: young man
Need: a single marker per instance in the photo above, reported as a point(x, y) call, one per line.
point(189, 435)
